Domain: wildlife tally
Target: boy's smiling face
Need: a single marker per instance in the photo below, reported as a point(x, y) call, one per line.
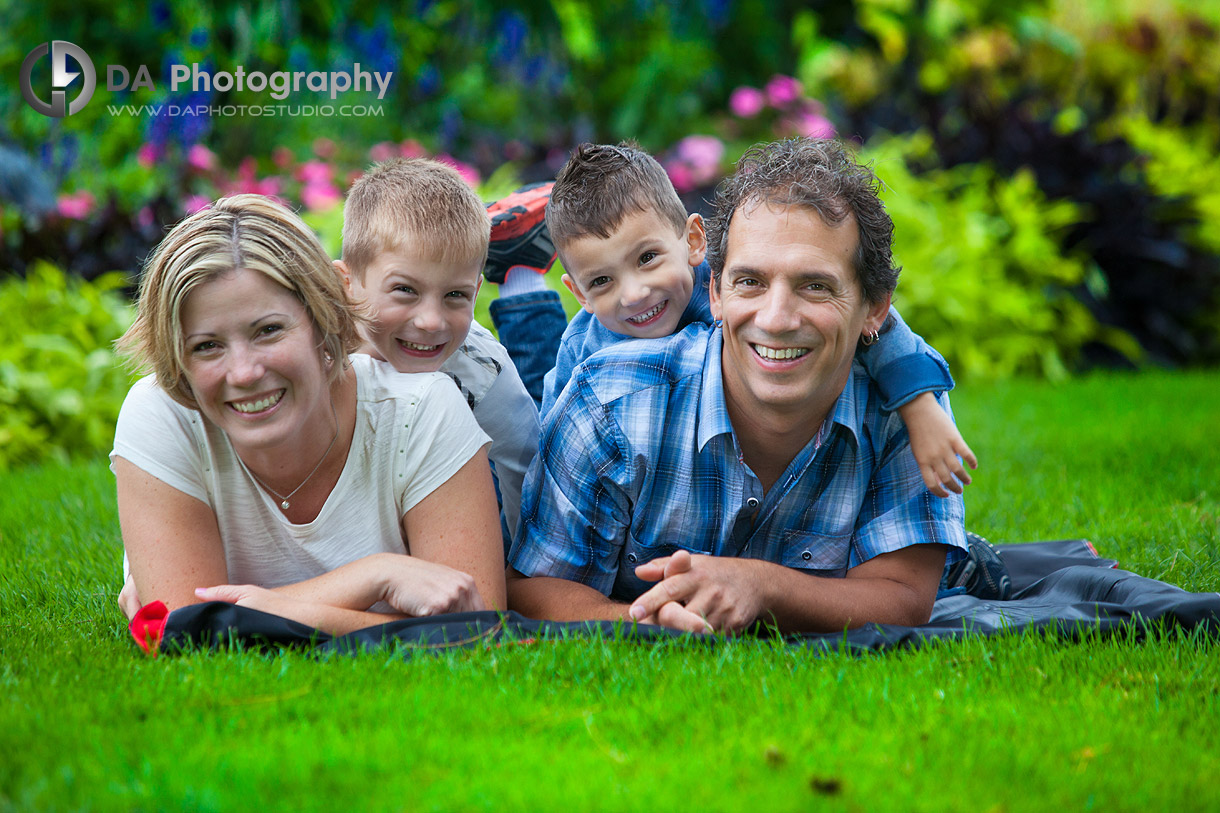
point(638, 280)
point(421, 307)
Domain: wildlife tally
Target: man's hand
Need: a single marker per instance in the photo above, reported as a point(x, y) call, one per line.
point(937, 444)
point(700, 593)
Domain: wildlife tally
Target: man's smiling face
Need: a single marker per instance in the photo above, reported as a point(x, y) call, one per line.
point(793, 311)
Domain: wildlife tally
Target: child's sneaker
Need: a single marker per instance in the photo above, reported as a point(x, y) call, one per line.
point(519, 236)
point(982, 572)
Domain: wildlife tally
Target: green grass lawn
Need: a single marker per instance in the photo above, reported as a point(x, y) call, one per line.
point(1017, 723)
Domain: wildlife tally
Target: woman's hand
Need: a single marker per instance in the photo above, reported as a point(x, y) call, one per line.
point(418, 587)
point(254, 597)
point(129, 599)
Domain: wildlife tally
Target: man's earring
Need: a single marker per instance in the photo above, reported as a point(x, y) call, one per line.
point(871, 338)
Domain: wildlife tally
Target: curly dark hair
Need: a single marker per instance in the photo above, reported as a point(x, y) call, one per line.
point(820, 174)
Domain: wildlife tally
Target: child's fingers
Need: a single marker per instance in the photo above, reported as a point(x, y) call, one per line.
point(959, 471)
point(933, 481)
point(966, 454)
point(946, 477)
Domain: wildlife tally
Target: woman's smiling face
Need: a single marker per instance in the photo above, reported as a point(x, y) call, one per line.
point(253, 360)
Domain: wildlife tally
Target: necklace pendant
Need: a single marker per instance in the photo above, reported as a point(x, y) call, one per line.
point(284, 505)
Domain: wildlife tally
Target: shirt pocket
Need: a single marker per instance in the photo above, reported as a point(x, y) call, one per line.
point(817, 553)
point(635, 553)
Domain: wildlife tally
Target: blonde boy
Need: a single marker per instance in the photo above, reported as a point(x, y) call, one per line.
point(415, 239)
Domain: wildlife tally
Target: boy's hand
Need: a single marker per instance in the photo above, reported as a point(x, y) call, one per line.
point(937, 446)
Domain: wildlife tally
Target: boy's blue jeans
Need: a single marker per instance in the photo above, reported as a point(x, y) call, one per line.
point(530, 327)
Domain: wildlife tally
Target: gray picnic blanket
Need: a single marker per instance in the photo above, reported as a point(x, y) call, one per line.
point(1062, 588)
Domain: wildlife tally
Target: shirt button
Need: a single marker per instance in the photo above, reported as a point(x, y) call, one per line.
point(806, 556)
point(752, 502)
point(631, 558)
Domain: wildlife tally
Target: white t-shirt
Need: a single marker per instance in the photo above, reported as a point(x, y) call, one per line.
point(491, 386)
point(413, 432)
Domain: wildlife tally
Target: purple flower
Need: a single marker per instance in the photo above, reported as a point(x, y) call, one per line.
point(783, 90)
point(428, 80)
point(512, 31)
point(746, 102)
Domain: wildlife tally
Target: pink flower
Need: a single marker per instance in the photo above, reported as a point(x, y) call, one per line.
point(247, 169)
point(312, 172)
point(813, 125)
point(145, 217)
point(702, 151)
point(323, 147)
point(700, 157)
point(201, 158)
point(195, 203)
point(147, 155)
point(76, 206)
point(412, 149)
point(680, 176)
point(746, 102)
point(283, 157)
point(469, 174)
point(782, 90)
point(383, 151)
point(318, 196)
point(248, 180)
point(267, 186)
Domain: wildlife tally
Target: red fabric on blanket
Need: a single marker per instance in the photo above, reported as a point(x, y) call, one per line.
point(148, 626)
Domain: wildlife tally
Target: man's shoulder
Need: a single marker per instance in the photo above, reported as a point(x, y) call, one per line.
point(644, 365)
point(860, 406)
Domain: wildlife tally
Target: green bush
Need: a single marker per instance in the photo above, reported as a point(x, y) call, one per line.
point(1182, 165)
point(60, 382)
point(984, 279)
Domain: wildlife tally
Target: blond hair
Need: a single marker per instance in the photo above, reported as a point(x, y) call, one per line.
point(418, 200)
point(249, 232)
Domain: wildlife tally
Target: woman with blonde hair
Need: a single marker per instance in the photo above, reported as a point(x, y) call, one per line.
point(260, 464)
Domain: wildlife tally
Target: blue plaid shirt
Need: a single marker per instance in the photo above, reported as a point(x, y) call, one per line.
point(638, 459)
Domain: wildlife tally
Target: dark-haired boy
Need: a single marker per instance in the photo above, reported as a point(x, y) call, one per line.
point(634, 259)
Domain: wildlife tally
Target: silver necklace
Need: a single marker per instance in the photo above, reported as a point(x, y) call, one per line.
point(284, 498)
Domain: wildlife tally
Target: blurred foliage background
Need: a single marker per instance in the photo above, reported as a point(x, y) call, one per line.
point(1053, 166)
